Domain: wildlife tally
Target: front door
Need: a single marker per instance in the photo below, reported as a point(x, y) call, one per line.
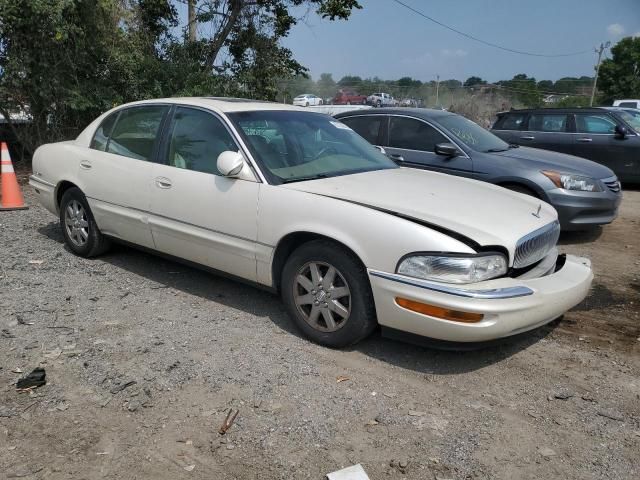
point(595, 140)
point(197, 214)
point(411, 142)
point(116, 170)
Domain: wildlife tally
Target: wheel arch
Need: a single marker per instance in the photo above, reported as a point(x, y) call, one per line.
point(62, 187)
point(293, 240)
point(523, 183)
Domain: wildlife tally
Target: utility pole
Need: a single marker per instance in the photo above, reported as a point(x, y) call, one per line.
point(191, 15)
point(595, 80)
point(437, 90)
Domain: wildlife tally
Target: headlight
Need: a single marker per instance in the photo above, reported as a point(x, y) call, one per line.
point(573, 182)
point(452, 269)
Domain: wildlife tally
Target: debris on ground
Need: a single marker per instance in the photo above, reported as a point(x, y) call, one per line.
point(226, 425)
point(35, 379)
point(341, 378)
point(355, 472)
point(611, 415)
point(122, 386)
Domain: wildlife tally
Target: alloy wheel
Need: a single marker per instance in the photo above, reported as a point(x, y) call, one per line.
point(322, 296)
point(76, 223)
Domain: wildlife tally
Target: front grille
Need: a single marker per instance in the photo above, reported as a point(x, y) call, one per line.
point(535, 246)
point(613, 185)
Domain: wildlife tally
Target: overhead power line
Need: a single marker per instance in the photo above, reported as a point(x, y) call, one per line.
point(490, 44)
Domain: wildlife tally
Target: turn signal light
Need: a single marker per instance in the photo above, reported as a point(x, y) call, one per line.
point(439, 312)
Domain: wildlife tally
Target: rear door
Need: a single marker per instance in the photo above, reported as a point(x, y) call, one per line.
point(411, 142)
point(550, 131)
point(595, 140)
point(116, 172)
point(509, 125)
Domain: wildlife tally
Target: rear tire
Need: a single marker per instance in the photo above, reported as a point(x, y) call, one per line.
point(326, 291)
point(79, 229)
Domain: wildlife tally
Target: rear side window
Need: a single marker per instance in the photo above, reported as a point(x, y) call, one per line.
point(628, 104)
point(412, 134)
point(510, 121)
point(367, 127)
point(196, 140)
point(135, 132)
point(548, 123)
point(594, 124)
point(101, 137)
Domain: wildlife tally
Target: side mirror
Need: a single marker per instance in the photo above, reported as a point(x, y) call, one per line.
point(230, 163)
point(447, 149)
point(621, 131)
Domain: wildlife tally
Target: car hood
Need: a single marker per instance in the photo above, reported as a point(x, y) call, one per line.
point(484, 213)
point(561, 162)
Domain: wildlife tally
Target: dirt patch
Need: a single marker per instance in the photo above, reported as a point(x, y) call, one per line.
point(144, 358)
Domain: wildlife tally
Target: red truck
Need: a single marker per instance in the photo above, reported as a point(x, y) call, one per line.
point(349, 97)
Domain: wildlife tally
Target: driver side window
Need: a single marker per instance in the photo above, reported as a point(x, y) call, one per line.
point(196, 139)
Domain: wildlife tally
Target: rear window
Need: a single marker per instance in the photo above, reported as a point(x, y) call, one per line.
point(510, 121)
point(628, 104)
point(368, 127)
point(548, 123)
point(135, 132)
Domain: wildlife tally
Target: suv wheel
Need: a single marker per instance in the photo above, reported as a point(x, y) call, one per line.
point(80, 231)
point(327, 293)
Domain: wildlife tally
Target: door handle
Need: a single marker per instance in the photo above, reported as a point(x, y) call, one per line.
point(86, 164)
point(163, 182)
point(528, 137)
point(585, 139)
point(397, 157)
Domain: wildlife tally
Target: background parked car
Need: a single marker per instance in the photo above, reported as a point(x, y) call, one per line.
point(627, 103)
point(584, 193)
point(602, 134)
point(382, 100)
point(307, 99)
point(349, 97)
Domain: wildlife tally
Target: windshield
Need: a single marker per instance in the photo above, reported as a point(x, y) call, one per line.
point(294, 146)
point(632, 117)
point(472, 134)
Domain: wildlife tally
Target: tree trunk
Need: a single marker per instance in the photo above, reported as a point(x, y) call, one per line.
point(191, 5)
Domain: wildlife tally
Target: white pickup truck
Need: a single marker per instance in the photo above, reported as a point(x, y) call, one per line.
point(382, 100)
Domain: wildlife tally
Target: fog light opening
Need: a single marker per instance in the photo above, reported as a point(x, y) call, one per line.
point(439, 312)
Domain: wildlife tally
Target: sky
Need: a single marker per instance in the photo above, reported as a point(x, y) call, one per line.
point(386, 40)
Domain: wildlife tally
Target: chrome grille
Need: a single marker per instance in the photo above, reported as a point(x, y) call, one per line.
point(613, 185)
point(536, 245)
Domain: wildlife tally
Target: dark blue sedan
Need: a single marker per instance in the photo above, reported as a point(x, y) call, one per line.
point(584, 193)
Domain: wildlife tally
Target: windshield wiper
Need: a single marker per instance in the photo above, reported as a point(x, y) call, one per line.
point(304, 179)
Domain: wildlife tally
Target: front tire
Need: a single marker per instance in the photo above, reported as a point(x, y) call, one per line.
point(326, 291)
point(79, 229)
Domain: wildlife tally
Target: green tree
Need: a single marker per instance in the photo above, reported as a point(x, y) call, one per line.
point(620, 75)
point(326, 85)
point(62, 62)
point(473, 81)
point(545, 86)
point(524, 89)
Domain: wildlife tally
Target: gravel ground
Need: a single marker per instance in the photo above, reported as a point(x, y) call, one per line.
point(144, 357)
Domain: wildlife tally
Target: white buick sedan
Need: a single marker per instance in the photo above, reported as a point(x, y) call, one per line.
point(297, 202)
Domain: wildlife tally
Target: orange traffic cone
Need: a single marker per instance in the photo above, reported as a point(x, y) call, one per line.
point(11, 196)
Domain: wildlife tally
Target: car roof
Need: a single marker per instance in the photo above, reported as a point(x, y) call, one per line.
point(556, 110)
point(220, 104)
point(425, 113)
